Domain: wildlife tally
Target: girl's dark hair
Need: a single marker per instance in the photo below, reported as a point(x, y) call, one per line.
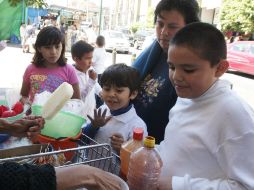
point(48, 36)
point(80, 48)
point(204, 40)
point(121, 75)
point(188, 8)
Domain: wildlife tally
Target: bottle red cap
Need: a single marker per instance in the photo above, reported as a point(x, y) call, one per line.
point(138, 133)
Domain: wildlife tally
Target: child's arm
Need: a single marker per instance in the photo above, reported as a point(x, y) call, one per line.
point(116, 142)
point(90, 131)
point(89, 86)
point(24, 92)
point(76, 91)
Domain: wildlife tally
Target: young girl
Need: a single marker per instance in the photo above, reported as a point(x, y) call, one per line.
point(115, 124)
point(48, 69)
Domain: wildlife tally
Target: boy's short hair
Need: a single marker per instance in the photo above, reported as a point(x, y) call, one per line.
point(121, 75)
point(203, 39)
point(100, 41)
point(80, 48)
point(189, 9)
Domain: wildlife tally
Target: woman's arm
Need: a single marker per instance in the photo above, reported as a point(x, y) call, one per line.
point(85, 176)
point(29, 126)
point(16, 176)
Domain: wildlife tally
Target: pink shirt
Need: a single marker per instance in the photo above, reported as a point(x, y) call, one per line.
point(40, 79)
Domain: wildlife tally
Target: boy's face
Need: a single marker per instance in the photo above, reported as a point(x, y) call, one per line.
point(191, 75)
point(167, 25)
point(117, 97)
point(85, 62)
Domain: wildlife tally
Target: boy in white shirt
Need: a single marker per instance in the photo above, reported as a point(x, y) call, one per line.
point(209, 139)
point(82, 54)
point(99, 56)
point(114, 121)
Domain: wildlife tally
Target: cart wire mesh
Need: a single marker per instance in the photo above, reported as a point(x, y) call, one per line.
point(87, 152)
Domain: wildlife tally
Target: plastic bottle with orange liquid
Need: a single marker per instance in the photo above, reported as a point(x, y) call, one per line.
point(129, 147)
point(144, 167)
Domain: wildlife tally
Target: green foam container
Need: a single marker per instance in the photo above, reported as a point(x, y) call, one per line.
point(63, 124)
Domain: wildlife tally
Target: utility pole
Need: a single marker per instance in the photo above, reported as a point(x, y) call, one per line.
point(100, 18)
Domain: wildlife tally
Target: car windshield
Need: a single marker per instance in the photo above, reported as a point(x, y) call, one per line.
point(116, 35)
point(246, 48)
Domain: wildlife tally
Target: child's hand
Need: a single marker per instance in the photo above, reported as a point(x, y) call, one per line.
point(116, 142)
point(92, 74)
point(100, 119)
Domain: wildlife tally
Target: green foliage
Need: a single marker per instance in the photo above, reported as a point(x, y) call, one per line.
point(134, 27)
point(237, 15)
point(148, 24)
point(31, 3)
point(150, 18)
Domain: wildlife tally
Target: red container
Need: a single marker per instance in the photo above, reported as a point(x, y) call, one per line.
point(66, 143)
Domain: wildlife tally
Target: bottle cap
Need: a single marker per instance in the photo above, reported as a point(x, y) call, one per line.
point(138, 133)
point(149, 142)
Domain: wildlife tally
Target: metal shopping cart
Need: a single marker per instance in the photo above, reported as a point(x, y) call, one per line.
point(88, 152)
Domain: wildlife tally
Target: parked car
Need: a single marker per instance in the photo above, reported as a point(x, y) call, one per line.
point(139, 37)
point(240, 56)
point(128, 34)
point(115, 40)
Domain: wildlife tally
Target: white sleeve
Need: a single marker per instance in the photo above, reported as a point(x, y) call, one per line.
point(85, 91)
point(97, 88)
point(236, 158)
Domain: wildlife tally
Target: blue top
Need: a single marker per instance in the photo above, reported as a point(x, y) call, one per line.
point(157, 95)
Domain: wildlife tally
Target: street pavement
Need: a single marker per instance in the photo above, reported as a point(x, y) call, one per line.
point(13, 63)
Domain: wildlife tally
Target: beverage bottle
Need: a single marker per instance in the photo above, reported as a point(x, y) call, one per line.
point(144, 167)
point(129, 147)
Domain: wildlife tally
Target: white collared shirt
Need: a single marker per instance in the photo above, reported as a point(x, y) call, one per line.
point(123, 124)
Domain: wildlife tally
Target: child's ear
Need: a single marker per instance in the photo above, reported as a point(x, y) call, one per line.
point(222, 67)
point(133, 95)
point(75, 59)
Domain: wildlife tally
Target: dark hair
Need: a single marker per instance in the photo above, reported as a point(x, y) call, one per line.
point(121, 75)
point(80, 48)
point(48, 36)
point(203, 39)
point(100, 41)
point(188, 8)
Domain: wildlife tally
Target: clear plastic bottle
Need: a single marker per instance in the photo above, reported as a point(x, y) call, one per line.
point(129, 147)
point(144, 167)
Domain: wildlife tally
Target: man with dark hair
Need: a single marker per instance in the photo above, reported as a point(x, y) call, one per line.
point(157, 95)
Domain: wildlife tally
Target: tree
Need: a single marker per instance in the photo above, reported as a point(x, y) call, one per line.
point(237, 15)
point(150, 18)
point(33, 3)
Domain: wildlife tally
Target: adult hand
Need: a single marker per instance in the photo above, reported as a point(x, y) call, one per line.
point(116, 142)
point(100, 118)
point(29, 126)
point(165, 183)
point(84, 176)
point(92, 74)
